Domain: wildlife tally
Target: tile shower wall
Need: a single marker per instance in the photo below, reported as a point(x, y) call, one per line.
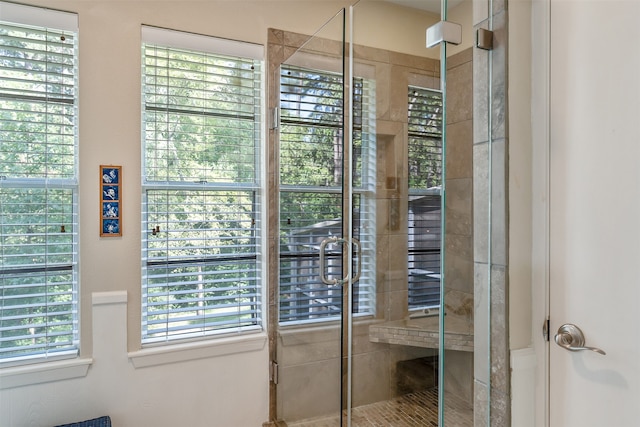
point(490, 160)
point(459, 299)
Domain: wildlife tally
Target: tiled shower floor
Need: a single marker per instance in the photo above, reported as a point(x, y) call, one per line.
point(411, 410)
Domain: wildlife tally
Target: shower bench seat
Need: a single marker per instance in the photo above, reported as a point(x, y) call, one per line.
point(423, 332)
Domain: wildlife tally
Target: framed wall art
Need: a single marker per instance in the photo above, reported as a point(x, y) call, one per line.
point(110, 201)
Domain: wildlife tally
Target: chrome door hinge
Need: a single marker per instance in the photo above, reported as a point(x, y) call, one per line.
point(484, 39)
point(275, 118)
point(545, 329)
point(273, 372)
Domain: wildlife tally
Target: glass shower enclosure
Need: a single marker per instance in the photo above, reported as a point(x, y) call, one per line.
point(357, 173)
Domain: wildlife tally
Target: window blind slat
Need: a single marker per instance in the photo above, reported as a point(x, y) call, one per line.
point(36, 17)
point(197, 42)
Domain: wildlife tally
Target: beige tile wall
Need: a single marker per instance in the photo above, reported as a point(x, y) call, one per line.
point(459, 289)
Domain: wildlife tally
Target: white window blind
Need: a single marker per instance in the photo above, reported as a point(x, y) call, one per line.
point(201, 201)
point(425, 180)
point(38, 184)
point(311, 176)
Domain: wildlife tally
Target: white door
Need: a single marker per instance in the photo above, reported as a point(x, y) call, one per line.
point(595, 211)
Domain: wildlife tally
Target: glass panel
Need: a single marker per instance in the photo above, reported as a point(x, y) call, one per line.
point(395, 361)
point(489, 255)
point(458, 299)
point(310, 156)
point(382, 360)
point(419, 251)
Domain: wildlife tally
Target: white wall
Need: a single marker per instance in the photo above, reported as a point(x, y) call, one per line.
point(520, 173)
point(225, 384)
point(521, 331)
point(229, 390)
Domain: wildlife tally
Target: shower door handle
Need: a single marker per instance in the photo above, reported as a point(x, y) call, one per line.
point(570, 337)
point(356, 243)
point(323, 276)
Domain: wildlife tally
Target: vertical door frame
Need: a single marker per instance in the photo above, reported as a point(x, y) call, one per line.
point(540, 110)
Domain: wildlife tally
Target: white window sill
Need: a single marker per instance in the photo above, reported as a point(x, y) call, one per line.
point(43, 372)
point(183, 352)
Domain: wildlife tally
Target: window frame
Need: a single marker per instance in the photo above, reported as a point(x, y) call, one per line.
point(65, 26)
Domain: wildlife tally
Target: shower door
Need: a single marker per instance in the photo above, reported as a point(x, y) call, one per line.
point(309, 163)
point(358, 173)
